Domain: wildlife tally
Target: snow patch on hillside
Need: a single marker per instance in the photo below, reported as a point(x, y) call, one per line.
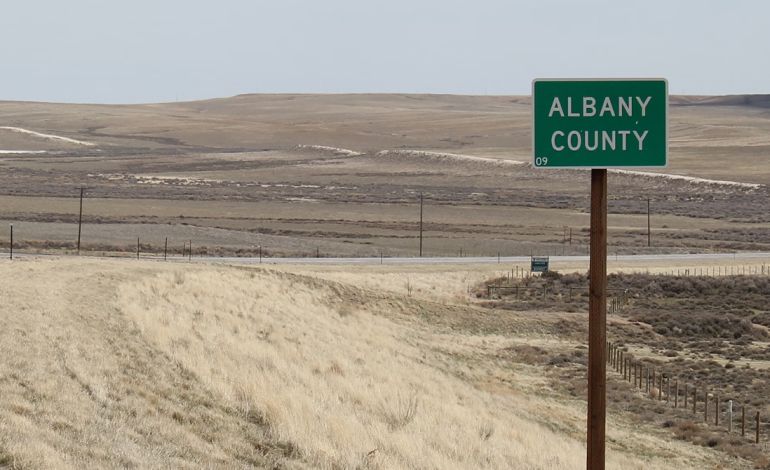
point(689, 178)
point(47, 136)
point(449, 156)
point(335, 150)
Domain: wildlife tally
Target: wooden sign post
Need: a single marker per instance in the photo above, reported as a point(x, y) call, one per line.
point(597, 321)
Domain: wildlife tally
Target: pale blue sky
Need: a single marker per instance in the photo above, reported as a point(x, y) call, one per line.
point(109, 51)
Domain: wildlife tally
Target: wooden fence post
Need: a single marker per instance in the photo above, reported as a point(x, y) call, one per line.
point(685, 396)
point(638, 375)
point(716, 420)
point(647, 383)
point(757, 438)
point(694, 399)
point(653, 381)
point(660, 387)
point(676, 394)
point(743, 421)
point(706, 405)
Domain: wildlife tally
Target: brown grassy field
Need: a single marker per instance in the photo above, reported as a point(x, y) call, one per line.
point(141, 364)
point(342, 174)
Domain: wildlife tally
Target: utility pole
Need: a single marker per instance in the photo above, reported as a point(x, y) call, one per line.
point(80, 219)
point(11, 241)
point(649, 236)
point(420, 224)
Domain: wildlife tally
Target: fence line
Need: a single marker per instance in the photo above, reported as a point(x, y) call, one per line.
point(644, 376)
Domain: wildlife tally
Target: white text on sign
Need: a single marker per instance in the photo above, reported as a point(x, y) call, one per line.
point(613, 140)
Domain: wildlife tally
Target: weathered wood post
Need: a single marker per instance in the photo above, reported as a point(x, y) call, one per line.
point(743, 421)
point(694, 399)
point(597, 324)
point(716, 401)
point(80, 219)
point(676, 394)
point(757, 437)
point(660, 387)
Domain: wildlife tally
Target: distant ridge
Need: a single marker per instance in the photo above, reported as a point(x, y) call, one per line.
point(755, 101)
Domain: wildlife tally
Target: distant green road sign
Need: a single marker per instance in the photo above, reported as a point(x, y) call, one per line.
point(600, 123)
point(539, 264)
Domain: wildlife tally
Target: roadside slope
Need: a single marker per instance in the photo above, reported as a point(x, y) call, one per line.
point(82, 388)
point(115, 364)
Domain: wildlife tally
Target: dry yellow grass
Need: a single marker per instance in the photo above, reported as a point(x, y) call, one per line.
point(112, 364)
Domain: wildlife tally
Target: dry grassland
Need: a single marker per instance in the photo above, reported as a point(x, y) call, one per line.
point(127, 364)
point(276, 165)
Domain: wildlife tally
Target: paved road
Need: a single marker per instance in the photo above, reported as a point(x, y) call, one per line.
point(489, 260)
point(448, 260)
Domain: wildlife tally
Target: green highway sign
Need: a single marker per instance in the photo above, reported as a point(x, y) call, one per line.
point(539, 264)
point(597, 123)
